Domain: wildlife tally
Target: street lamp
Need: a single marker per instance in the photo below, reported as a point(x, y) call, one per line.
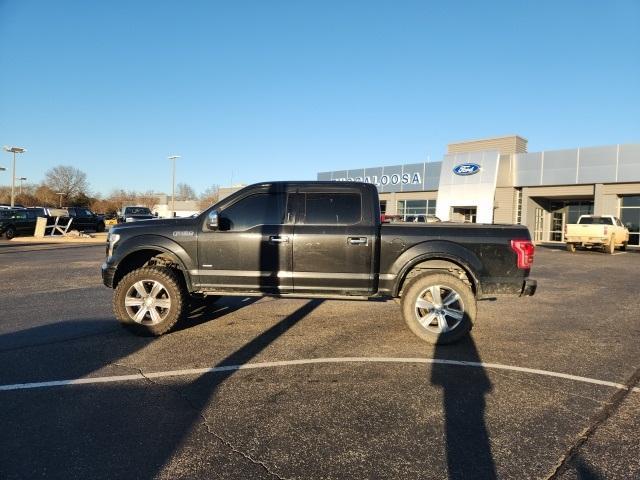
point(173, 187)
point(21, 180)
point(60, 194)
point(14, 150)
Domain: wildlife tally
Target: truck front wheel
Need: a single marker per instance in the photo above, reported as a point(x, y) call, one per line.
point(438, 307)
point(149, 301)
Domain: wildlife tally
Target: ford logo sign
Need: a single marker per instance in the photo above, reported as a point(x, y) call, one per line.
point(466, 169)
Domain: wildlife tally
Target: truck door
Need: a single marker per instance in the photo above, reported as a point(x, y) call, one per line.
point(333, 243)
point(251, 249)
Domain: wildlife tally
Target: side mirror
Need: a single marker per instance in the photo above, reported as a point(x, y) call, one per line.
point(212, 220)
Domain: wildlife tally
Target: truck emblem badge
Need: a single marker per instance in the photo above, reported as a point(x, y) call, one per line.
point(466, 169)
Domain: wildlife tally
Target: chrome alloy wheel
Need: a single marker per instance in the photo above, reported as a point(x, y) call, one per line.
point(439, 309)
point(147, 302)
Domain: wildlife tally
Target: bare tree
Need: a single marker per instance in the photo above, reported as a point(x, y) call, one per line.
point(209, 197)
point(68, 180)
point(185, 192)
point(148, 199)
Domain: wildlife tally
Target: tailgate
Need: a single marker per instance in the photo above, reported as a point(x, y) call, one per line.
point(586, 230)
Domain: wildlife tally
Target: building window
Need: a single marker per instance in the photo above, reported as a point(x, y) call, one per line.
point(410, 209)
point(630, 216)
point(538, 225)
point(383, 207)
point(577, 209)
point(518, 219)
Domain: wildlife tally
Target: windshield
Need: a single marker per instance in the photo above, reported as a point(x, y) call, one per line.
point(137, 211)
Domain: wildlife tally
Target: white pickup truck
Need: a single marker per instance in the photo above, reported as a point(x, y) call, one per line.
point(605, 231)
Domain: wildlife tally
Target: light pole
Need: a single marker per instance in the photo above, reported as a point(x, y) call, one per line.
point(21, 180)
point(14, 150)
point(60, 194)
point(173, 187)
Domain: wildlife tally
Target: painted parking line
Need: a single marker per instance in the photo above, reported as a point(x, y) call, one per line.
point(310, 361)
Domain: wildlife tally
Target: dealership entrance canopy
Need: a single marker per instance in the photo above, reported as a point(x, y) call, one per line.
point(496, 180)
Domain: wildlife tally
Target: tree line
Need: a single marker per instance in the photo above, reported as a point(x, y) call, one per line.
point(68, 186)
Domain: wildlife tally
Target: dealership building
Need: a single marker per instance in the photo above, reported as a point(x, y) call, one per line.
point(496, 180)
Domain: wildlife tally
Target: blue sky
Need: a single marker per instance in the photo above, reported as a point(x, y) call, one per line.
point(268, 90)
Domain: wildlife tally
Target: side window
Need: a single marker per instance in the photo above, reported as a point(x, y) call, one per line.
point(333, 208)
point(257, 209)
point(72, 212)
point(86, 213)
point(31, 215)
point(20, 216)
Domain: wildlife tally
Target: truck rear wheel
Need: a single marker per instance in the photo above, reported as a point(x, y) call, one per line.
point(149, 301)
point(438, 307)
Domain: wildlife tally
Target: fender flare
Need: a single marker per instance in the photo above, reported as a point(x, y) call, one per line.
point(162, 244)
point(438, 250)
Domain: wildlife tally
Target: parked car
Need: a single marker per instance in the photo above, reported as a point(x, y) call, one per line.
point(604, 231)
point(422, 219)
point(133, 214)
point(17, 222)
point(314, 239)
point(84, 219)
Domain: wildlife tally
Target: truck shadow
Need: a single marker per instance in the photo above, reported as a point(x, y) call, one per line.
point(468, 447)
point(114, 430)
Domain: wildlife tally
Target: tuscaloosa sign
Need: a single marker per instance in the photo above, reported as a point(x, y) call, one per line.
point(393, 179)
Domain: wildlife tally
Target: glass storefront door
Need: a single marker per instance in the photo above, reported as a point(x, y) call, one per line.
point(630, 217)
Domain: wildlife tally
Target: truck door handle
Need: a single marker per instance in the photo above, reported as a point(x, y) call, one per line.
point(357, 240)
point(278, 239)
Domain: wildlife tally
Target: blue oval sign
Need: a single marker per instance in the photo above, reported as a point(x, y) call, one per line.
point(466, 169)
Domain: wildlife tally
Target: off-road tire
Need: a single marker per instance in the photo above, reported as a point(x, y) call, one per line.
point(623, 248)
point(571, 247)
point(419, 284)
point(174, 287)
point(10, 233)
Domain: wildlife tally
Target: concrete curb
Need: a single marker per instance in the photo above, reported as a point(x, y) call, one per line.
point(95, 238)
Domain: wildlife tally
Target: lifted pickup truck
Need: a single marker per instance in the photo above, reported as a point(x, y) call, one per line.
point(314, 239)
point(606, 231)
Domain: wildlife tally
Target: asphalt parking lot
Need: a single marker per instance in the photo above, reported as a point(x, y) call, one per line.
point(548, 386)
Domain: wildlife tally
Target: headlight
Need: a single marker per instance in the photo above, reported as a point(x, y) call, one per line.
point(112, 238)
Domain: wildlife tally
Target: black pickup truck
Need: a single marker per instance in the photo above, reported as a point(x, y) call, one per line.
point(314, 239)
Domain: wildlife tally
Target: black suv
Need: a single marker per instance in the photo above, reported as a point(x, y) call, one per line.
point(85, 219)
point(17, 222)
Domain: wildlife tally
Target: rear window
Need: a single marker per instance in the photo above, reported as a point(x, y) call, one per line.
point(595, 221)
point(333, 208)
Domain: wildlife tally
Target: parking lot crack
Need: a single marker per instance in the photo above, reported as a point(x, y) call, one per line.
point(205, 422)
point(602, 415)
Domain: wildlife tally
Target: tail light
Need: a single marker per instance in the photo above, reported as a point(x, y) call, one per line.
point(525, 250)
